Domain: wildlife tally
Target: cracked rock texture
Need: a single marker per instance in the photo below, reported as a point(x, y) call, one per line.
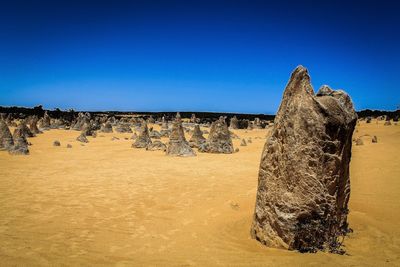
point(304, 183)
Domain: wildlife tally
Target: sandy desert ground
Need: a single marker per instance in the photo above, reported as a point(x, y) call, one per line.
point(106, 203)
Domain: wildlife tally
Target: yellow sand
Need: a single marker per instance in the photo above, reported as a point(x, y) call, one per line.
point(106, 203)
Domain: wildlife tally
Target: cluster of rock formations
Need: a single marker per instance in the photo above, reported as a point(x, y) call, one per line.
point(17, 142)
point(219, 138)
point(304, 183)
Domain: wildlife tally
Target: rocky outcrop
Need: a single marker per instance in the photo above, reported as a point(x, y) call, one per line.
point(45, 122)
point(123, 128)
point(22, 129)
point(219, 140)
point(143, 140)
point(83, 118)
point(87, 129)
point(234, 123)
point(156, 145)
point(154, 134)
point(106, 128)
point(177, 145)
point(197, 138)
point(20, 143)
point(82, 138)
point(193, 119)
point(304, 183)
point(33, 125)
point(6, 139)
point(257, 123)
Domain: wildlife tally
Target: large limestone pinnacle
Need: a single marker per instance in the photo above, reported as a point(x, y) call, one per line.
point(304, 183)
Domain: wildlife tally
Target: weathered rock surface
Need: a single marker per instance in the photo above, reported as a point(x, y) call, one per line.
point(234, 123)
point(257, 123)
point(6, 139)
point(143, 140)
point(82, 138)
point(106, 128)
point(177, 145)
point(45, 122)
point(156, 145)
point(123, 128)
point(33, 125)
point(197, 138)
point(154, 134)
point(20, 143)
point(22, 129)
point(219, 140)
point(87, 129)
point(304, 183)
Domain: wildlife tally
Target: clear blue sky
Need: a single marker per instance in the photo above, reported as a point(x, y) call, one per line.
point(230, 56)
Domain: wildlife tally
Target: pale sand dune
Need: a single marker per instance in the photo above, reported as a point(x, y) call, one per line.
point(106, 203)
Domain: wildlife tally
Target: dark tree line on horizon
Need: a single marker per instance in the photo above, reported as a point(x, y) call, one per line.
point(21, 112)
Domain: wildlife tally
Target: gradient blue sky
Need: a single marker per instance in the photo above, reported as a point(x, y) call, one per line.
point(228, 56)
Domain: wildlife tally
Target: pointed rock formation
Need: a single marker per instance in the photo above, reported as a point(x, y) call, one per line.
point(6, 139)
point(177, 145)
point(243, 143)
point(234, 123)
point(304, 183)
point(87, 129)
point(257, 123)
point(143, 140)
point(197, 138)
point(82, 138)
point(83, 118)
point(219, 140)
point(106, 128)
point(33, 125)
point(193, 119)
point(45, 122)
point(20, 143)
point(22, 129)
